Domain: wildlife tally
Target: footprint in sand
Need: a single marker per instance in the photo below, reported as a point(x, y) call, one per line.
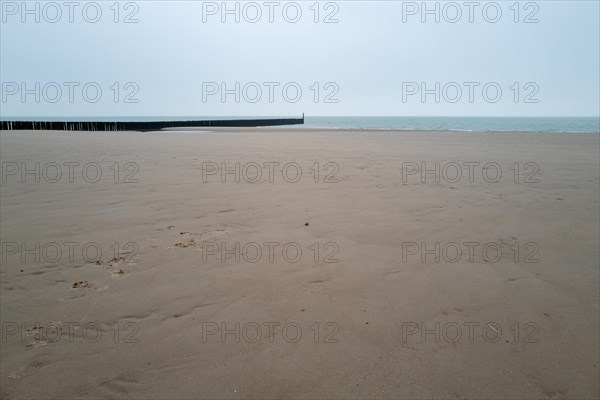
point(34, 336)
point(190, 237)
point(190, 241)
point(37, 344)
point(112, 261)
point(114, 272)
point(81, 285)
point(18, 374)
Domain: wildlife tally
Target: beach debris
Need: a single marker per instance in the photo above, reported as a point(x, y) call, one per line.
point(306, 224)
point(81, 284)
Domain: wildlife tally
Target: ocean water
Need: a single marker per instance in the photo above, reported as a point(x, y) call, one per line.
point(464, 124)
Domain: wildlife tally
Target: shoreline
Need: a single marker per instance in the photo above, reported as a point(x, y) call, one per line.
point(295, 129)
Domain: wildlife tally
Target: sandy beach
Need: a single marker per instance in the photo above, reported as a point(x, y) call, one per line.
point(325, 264)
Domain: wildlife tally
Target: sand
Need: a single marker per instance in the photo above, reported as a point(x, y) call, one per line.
point(155, 315)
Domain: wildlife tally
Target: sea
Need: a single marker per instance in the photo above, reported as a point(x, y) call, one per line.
point(459, 124)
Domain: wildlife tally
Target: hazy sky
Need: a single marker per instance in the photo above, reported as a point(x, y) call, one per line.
point(372, 58)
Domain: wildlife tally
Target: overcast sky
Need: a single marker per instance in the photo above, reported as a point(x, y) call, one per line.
point(335, 58)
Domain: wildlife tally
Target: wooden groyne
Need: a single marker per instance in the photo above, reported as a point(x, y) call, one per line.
point(143, 126)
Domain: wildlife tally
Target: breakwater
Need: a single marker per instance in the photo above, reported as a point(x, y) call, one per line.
point(144, 126)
